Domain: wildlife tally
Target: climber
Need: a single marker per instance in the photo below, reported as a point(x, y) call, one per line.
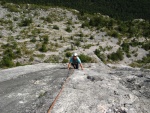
point(75, 61)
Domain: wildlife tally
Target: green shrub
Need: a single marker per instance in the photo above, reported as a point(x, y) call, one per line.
point(71, 37)
point(46, 39)
point(43, 48)
point(9, 53)
point(136, 54)
point(135, 43)
point(142, 63)
point(81, 39)
point(116, 56)
point(18, 52)
point(56, 27)
point(77, 43)
point(122, 28)
point(61, 38)
point(128, 55)
point(99, 55)
point(145, 59)
point(1, 35)
point(85, 58)
point(68, 29)
point(113, 33)
point(69, 22)
point(81, 35)
point(48, 19)
point(52, 59)
point(87, 46)
point(146, 46)
point(72, 47)
point(108, 48)
point(85, 24)
point(6, 62)
point(102, 49)
point(31, 59)
point(18, 64)
point(35, 32)
point(92, 37)
point(39, 55)
point(68, 54)
point(12, 8)
point(33, 40)
point(14, 45)
point(65, 60)
point(8, 15)
point(125, 47)
point(135, 64)
point(25, 22)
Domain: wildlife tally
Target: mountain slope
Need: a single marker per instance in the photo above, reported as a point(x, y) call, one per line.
point(120, 9)
point(32, 34)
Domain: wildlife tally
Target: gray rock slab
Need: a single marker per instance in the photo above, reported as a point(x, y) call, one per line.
point(111, 91)
point(96, 89)
point(30, 89)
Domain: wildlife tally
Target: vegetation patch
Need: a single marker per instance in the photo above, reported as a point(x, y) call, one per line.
point(25, 22)
point(85, 58)
point(116, 56)
point(53, 59)
point(100, 55)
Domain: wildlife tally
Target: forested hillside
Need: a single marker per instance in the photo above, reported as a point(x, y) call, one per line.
point(119, 9)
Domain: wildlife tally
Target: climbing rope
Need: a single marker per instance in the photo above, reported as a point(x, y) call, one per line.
point(60, 92)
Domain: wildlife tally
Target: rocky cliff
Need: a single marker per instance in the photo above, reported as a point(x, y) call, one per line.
point(96, 89)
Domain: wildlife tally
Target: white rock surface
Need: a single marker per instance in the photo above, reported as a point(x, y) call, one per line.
point(105, 94)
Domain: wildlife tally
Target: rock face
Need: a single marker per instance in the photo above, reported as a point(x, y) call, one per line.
point(96, 89)
point(103, 90)
point(32, 89)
